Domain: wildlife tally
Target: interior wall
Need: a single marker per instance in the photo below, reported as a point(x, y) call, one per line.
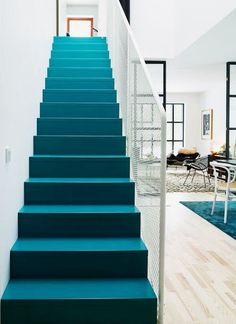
point(101, 14)
point(199, 88)
point(191, 103)
point(195, 18)
point(87, 11)
point(153, 27)
point(215, 98)
point(24, 56)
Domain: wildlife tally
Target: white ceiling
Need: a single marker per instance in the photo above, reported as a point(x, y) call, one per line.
point(215, 47)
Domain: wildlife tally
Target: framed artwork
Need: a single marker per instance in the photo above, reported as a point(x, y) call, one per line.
point(207, 124)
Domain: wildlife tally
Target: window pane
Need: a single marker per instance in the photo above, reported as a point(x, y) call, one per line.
point(233, 79)
point(168, 147)
point(232, 110)
point(177, 146)
point(178, 132)
point(169, 115)
point(178, 112)
point(169, 132)
point(232, 143)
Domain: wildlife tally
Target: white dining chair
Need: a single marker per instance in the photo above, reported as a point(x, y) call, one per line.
point(228, 189)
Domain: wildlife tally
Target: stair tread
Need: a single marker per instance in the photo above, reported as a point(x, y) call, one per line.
point(20, 289)
point(78, 244)
point(78, 118)
point(79, 180)
point(38, 156)
point(98, 209)
point(81, 103)
point(82, 136)
point(81, 78)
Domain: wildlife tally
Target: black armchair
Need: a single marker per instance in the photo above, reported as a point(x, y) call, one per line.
point(201, 164)
point(181, 158)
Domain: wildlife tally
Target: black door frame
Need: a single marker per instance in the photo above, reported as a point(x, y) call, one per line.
point(228, 97)
point(126, 7)
point(163, 63)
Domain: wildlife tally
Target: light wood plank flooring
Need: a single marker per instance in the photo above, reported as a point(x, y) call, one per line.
point(200, 282)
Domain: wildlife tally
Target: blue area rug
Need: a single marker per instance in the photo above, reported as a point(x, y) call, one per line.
point(203, 209)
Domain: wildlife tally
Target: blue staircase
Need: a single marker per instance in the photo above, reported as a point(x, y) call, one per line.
point(79, 257)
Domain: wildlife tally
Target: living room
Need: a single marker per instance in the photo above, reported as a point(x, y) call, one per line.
point(200, 88)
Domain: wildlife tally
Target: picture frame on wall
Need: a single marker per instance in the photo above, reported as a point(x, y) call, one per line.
point(207, 124)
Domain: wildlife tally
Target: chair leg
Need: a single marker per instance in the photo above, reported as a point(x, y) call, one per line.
point(193, 175)
point(226, 206)
point(214, 204)
point(209, 178)
point(186, 178)
point(204, 177)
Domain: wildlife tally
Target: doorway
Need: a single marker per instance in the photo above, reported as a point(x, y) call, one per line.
point(80, 27)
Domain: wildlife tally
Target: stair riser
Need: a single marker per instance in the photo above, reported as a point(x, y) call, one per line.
point(79, 145)
point(80, 54)
point(79, 225)
point(77, 264)
point(79, 110)
point(79, 168)
point(63, 39)
point(79, 127)
point(80, 72)
point(80, 46)
point(79, 96)
point(80, 63)
point(56, 83)
point(79, 193)
point(105, 311)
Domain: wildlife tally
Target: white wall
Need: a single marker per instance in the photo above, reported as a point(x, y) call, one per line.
point(191, 103)
point(214, 98)
point(199, 88)
point(24, 55)
point(194, 18)
point(153, 27)
point(101, 20)
point(166, 28)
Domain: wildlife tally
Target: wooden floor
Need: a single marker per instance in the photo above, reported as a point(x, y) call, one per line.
point(200, 283)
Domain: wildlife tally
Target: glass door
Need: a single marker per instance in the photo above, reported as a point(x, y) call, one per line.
point(231, 110)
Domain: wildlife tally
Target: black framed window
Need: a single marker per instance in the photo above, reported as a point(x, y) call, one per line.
point(175, 126)
point(231, 110)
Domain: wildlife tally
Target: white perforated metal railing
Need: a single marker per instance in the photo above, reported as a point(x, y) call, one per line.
point(144, 123)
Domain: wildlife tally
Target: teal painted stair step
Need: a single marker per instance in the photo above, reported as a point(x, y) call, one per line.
point(79, 95)
point(117, 301)
point(78, 258)
point(79, 110)
point(79, 62)
point(94, 191)
point(79, 126)
point(80, 54)
point(79, 83)
point(64, 39)
point(79, 221)
point(80, 72)
point(79, 46)
point(79, 166)
point(80, 145)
